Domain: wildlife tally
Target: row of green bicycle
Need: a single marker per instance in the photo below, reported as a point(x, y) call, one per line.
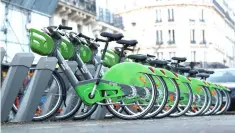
point(134, 86)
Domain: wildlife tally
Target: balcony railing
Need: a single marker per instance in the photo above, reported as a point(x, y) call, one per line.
point(220, 8)
point(88, 6)
point(106, 16)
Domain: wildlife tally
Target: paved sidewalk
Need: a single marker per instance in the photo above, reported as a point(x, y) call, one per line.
point(205, 124)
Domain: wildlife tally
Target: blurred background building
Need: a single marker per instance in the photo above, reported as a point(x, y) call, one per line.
point(201, 30)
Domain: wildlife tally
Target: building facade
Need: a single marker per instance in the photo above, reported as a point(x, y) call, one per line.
point(201, 30)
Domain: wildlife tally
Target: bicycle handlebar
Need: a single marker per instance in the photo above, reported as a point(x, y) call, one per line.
point(100, 40)
point(84, 36)
point(62, 27)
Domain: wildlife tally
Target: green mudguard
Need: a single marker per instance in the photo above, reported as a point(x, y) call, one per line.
point(212, 88)
point(223, 87)
point(127, 73)
point(196, 85)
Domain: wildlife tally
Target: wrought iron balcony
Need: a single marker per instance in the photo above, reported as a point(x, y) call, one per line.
point(88, 6)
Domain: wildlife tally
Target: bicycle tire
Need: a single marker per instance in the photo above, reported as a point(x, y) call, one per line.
point(52, 112)
point(225, 108)
point(217, 105)
point(176, 86)
point(140, 115)
point(87, 114)
point(203, 107)
point(189, 103)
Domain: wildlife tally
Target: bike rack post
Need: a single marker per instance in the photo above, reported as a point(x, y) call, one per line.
point(16, 74)
point(3, 52)
point(73, 65)
point(99, 113)
point(36, 87)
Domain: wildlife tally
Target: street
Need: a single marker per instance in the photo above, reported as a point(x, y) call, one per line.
point(205, 124)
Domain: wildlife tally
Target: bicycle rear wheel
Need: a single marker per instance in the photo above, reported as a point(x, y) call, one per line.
point(215, 102)
point(200, 101)
point(173, 98)
point(185, 101)
point(142, 106)
point(225, 100)
point(162, 96)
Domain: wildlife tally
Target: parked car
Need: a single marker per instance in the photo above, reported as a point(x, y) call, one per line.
point(225, 77)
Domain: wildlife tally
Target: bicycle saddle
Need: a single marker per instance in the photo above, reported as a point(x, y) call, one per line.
point(112, 36)
point(151, 56)
point(127, 42)
point(137, 57)
point(209, 71)
point(192, 71)
point(181, 59)
point(158, 62)
point(203, 75)
point(183, 69)
point(200, 70)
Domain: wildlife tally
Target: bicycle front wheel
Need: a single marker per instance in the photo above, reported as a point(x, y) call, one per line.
point(51, 99)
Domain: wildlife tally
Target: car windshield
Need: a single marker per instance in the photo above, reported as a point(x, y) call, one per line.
point(222, 76)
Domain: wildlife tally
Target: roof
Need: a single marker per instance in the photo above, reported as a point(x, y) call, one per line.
point(44, 6)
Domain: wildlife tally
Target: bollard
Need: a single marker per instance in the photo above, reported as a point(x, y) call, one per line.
point(16, 74)
point(46, 105)
point(36, 87)
point(3, 52)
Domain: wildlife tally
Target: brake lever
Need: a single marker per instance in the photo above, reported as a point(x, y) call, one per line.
point(46, 30)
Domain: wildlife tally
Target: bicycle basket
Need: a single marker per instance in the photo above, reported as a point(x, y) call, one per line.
point(66, 49)
point(110, 59)
point(85, 53)
point(40, 42)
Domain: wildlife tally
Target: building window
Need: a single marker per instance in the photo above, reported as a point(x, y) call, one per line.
point(64, 22)
point(158, 16)
point(193, 56)
point(192, 36)
point(203, 41)
point(171, 36)
point(159, 37)
point(202, 16)
point(170, 15)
